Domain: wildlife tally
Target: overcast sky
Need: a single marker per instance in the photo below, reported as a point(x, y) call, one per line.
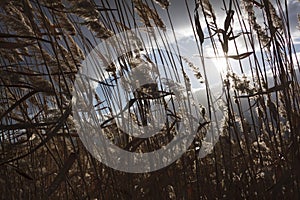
point(181, 22)
point(188, 47)
point(180, 19)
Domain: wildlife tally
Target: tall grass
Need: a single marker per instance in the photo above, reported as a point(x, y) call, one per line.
point(42, 45)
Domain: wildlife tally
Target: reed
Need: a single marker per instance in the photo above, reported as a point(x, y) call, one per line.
point(42, 46)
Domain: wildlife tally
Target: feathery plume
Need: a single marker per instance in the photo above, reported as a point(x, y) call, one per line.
point(146, 14)
point(163, 3)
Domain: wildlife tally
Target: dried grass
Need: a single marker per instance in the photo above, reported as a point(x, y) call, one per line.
point(42, 44)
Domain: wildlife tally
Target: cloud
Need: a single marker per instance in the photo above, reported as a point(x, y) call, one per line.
point(181, 21)
point(293, 11)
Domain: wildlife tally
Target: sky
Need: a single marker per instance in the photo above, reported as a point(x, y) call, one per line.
point(180, 17)
point(181, 22)
point(188, 46)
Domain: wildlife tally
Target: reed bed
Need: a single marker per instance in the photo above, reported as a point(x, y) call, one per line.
point(42, 46)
